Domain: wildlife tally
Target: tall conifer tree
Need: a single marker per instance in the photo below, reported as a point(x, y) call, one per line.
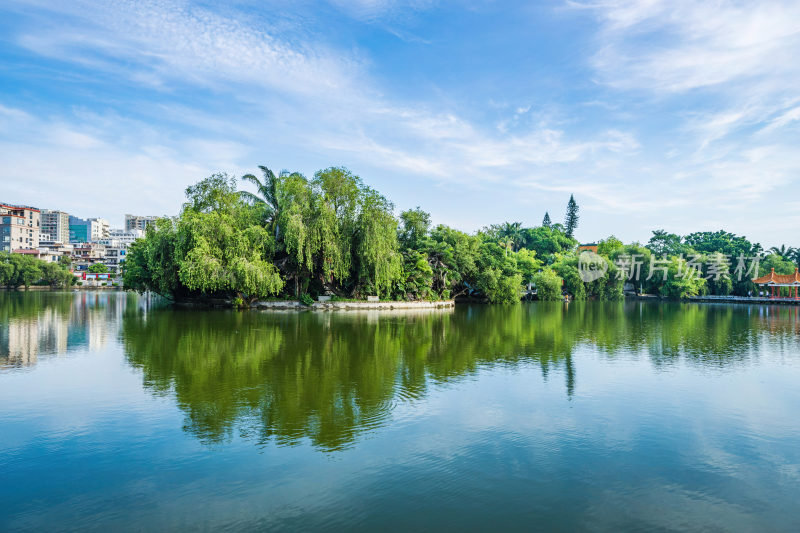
point(571, 220)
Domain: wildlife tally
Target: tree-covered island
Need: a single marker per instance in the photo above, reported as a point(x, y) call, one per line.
point(334, 235)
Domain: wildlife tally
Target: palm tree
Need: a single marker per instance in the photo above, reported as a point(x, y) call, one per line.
point(507, 244)
point(513, 232)
point(267, 195)
point(267, 192)
point(795, 256)
point(783, 252)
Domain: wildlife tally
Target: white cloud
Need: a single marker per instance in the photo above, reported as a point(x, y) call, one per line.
point(678, 45)
point(270, 91)
point(164, 42)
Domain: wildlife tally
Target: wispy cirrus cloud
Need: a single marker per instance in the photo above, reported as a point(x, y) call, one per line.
point(300, 90)
point(679, 45)
point(687, 108)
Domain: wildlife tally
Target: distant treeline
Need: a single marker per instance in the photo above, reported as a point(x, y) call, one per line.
point(20, 270)
point(299, 238)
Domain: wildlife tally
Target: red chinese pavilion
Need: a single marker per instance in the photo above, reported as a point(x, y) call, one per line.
point(776, 281)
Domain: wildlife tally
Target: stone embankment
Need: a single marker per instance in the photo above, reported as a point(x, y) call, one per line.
point(352, 306)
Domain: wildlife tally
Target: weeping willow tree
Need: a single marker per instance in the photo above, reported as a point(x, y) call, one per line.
point(337, 234)
point(380, 263)
point(216, 248)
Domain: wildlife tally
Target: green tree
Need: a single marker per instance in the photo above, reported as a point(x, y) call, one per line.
point(572, 217)
point(609, 246)
point(548, 285)
point(546, 220)
point(266, 196)
point(98, 268)
point(783, 251)
point(415, 225)
point(20, 269)
point(416, 281)
point(510, 234)
point(682, 282)
point(663, 243)
point(498, 277)
point(217, 247)
point(453, 257)
point(57, 275)
point(548, 241)
point(377, 248)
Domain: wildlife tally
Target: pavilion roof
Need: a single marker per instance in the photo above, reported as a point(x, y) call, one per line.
point(779, 279)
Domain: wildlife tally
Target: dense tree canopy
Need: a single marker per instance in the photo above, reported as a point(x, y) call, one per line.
point(298, 237)
point(20, 270)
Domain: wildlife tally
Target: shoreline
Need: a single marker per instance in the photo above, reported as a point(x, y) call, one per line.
point(351, 306)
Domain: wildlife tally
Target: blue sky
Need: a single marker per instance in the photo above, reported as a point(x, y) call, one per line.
point(682, 115)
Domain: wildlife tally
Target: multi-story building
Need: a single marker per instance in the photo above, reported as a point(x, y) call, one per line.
point(87, 253)
point(124, 236)
point(117, 247)
point(99, 229)
point(50, 250)
point(138, 222)
point(87, 230)
point(56, 225)
point(19, 227)
point(115, 255)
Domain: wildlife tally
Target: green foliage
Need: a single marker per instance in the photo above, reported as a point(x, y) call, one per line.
point(609, 246)
point(663, 243)
point(548, 285)
point(780, 264)
point(377, 249)
point(98, 268)
point(498, 278)
point(453, 257)
point(19, 270)
point(566, 266)
point(57, 275)
point(548, 241)
point(681, 282)
point(215, 193)
point(415, 225)
point(417, 280)
point(216, 247)
point(152, 263)
point(572, 217)
point(335, 235)
point(306, 299)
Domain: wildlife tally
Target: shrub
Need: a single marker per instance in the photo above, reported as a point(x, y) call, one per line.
point(548, 285)
point(306, 299)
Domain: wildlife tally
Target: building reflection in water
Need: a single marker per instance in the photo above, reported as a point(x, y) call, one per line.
point(328, 377)
point(37, 325)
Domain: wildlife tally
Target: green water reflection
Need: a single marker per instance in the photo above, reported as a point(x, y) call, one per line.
point(328, 377)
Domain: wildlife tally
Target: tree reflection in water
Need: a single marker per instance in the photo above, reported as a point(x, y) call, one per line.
point(329, 377)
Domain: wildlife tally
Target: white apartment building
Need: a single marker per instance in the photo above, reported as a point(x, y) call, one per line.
point(56, 225)
point(138, 222)
point(117, 247)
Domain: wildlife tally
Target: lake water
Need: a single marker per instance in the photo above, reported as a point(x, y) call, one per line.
point(118, 413)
